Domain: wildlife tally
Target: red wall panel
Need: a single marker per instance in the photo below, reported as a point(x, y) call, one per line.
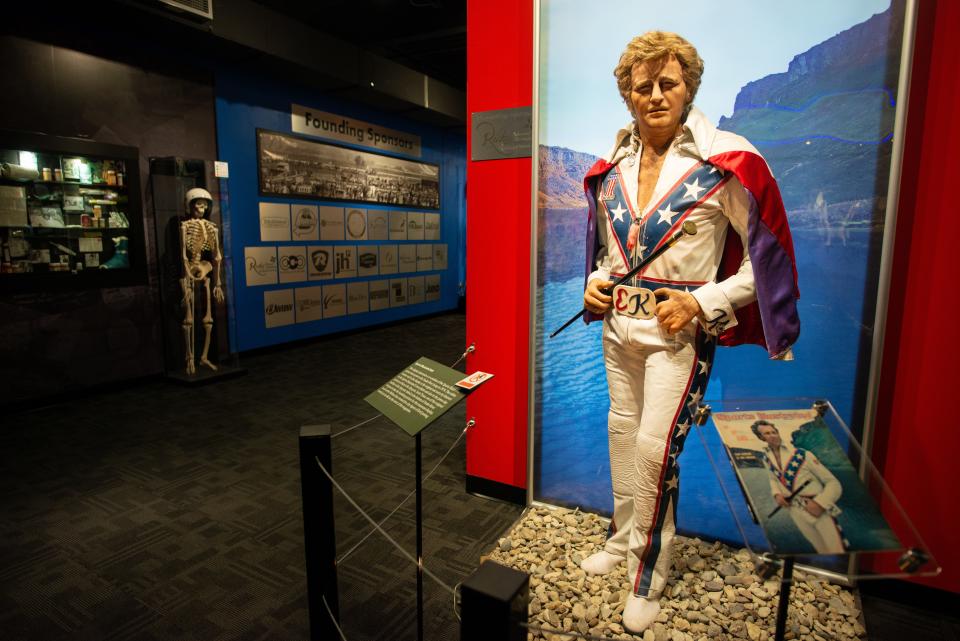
point(917, 438)
point(499, 76)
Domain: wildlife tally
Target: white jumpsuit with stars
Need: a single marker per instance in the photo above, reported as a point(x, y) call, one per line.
point(655, 379)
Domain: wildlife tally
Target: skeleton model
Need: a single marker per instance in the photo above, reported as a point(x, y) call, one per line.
point(199, 235)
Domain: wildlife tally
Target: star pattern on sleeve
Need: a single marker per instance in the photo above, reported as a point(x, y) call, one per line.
point(693, 189)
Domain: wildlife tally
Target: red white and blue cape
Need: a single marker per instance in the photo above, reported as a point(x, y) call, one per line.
point(772, 320)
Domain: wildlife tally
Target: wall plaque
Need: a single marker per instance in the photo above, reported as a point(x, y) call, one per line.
point(503, 133)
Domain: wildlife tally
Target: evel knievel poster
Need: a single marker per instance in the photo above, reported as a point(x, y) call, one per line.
point(823, 507)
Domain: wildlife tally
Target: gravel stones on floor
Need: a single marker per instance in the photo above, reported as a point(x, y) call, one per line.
point(713, 592)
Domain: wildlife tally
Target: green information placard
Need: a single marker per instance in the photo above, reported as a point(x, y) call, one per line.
point(418, 395)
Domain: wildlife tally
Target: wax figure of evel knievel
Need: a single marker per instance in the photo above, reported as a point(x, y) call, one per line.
point(734, 281)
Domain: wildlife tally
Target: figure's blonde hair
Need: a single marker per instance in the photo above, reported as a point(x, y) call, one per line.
point(658, 45)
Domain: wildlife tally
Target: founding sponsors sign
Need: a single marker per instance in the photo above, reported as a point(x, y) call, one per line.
point(322, 124)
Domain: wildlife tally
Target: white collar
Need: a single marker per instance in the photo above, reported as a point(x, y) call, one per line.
point(783, 448)
point(697, 134)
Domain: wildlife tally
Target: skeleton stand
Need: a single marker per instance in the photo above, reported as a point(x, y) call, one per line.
point(196, 236)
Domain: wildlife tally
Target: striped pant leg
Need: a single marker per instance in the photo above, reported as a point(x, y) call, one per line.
point(673, 381)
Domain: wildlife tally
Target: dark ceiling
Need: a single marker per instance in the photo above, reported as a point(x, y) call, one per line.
point(429, 36)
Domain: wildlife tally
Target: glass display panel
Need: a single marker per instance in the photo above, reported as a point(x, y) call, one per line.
point(771, 458)
point(815, 89)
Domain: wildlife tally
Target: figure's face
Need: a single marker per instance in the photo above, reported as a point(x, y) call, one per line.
point(658, 95)
point(198, 208)
point(770, 435)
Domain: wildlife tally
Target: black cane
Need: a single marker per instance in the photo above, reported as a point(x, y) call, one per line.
point(792, 496)
point(688, 228)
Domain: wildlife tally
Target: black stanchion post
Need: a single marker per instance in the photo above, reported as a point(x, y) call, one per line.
point(786, 582)
point(493, 604)
point(419, 464)
point(319, 537)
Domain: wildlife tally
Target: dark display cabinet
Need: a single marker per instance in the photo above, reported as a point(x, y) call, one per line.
point(70, 214)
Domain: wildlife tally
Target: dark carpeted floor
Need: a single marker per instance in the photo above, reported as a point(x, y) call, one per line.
point(162, 512)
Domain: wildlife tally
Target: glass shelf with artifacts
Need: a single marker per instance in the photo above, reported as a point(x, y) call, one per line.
point(70, 214)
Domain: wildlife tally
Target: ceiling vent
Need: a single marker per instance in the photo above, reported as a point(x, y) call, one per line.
point(202, 9)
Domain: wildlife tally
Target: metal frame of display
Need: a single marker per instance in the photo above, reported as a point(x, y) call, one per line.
point(889, 226)
point(534, 248)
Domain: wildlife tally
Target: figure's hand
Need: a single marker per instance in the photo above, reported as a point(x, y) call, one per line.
point(781, 500)
point(813, 508)
point(218, 294)
point(677, 310)
point(594, 300)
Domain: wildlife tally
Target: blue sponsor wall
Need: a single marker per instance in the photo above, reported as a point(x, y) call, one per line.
point(244, 104)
